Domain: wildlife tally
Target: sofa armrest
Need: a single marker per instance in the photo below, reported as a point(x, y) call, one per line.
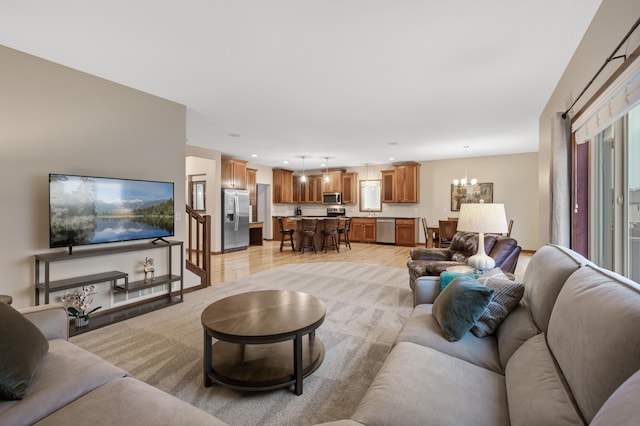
point(51, 319)
point(426, 290)
point(430, 253)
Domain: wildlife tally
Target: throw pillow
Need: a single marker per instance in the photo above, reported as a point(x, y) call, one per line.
point(22, 346)
point(460, 305)
point(446, 277)
point(491, 273)
point(506, 296)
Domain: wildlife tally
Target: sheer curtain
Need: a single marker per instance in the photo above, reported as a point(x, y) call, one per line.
point(561, 181)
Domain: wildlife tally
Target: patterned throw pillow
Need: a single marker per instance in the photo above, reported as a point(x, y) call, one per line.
point(506, 296)
point(460, 305)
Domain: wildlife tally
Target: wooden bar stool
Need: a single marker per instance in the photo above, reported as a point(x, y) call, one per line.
point(344, 231)
point(283, 233)
point(330, 231)
point(309, 227)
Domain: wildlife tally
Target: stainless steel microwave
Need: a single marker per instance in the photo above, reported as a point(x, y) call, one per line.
point(331, 198)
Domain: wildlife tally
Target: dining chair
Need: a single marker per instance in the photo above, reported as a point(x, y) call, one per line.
point(447, 229)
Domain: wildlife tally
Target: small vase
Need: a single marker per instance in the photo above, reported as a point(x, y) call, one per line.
point(82, 321)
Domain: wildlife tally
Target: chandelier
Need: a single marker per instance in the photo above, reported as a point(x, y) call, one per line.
point(464, 180)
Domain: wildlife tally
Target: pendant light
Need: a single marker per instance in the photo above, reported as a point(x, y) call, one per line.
point(303, 178)
point(326, 175)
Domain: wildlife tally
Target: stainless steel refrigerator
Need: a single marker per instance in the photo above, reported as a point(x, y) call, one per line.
point(235, 219)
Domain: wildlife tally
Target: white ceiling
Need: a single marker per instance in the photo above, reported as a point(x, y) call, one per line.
point(358, 81)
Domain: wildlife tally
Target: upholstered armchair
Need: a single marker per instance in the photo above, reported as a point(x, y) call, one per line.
point(433, 261)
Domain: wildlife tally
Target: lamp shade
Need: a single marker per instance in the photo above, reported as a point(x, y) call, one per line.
point(483, 217)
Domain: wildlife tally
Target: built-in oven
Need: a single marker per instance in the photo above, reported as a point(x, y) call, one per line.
point(336, 211)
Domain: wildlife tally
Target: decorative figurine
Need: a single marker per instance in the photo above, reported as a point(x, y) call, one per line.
point(149, 268)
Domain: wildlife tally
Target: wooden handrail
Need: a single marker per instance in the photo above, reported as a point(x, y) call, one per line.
point(199, 245)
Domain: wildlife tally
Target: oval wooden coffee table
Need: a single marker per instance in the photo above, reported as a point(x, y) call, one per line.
point(254, 332)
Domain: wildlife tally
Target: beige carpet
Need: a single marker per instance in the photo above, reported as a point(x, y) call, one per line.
point(366, 306)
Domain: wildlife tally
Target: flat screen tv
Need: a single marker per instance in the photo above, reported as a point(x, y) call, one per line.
point(92, 210)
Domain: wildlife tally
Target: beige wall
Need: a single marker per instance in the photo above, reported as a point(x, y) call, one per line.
point(612, 21)
point(55, 119)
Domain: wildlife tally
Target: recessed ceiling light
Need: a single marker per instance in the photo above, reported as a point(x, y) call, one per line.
point(285, 162)
point(254, 155)
point(392, 158)
point(234, 135)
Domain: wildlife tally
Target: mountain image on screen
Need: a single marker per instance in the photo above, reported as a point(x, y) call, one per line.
point(90, 210)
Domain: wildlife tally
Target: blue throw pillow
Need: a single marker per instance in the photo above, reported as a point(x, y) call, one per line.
point(446, 277)
point(460, 305)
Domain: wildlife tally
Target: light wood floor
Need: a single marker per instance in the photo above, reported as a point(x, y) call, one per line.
point(230, 266)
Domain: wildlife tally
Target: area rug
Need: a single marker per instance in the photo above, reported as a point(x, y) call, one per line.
point(366, 307)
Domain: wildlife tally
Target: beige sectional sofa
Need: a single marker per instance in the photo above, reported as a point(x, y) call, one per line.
point(569, 354)
point(74, 387)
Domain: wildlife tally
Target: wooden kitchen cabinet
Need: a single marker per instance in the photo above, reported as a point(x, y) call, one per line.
point(363, 230)
point(251, 186)
point(334, 183)
point(313, 190)
point(308, 192)
point(282, 186)
point(407, 182)
point(401, 185)
point(350, 188)
point(388, 192)
point(406, 232)
point(234, 173)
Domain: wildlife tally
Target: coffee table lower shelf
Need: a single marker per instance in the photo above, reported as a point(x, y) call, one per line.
point(259, 367)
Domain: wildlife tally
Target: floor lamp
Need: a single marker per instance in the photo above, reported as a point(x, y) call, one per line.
point(481, 218)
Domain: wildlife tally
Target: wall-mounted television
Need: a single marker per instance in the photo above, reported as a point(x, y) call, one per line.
point(93, 210)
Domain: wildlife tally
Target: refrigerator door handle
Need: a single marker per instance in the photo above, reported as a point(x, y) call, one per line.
point(236, 203)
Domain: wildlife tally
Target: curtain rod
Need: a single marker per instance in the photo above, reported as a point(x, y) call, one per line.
point(606, 62)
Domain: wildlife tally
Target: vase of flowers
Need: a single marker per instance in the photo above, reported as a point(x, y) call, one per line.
point(79, 304)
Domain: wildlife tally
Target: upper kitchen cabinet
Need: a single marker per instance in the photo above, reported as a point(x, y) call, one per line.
point(401, 185)
point(349, 188)
point(388, 186)
point(282, 186)
point(251, 186)
point(407, 182)
point(234, 173)
point(332, 180)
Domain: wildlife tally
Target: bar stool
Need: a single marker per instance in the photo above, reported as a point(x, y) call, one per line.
point(330, 231)
point(345, 231)
point(283, 233)
point(309, 227)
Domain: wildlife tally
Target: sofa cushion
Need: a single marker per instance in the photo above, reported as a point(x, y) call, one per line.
point(622, 407)
point(22, 346)
point(460, 305)
point(65, 373)
point(422, 328)
point(545, 275)
point(128, 401)
point(505, 298)
point(593, 335)
point(418, 385)
point(516, 329)
point(535, 390)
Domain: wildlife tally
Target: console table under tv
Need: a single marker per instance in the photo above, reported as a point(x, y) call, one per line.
point(119, 281)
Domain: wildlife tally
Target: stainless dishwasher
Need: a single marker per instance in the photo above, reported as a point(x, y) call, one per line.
point(386, 230)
